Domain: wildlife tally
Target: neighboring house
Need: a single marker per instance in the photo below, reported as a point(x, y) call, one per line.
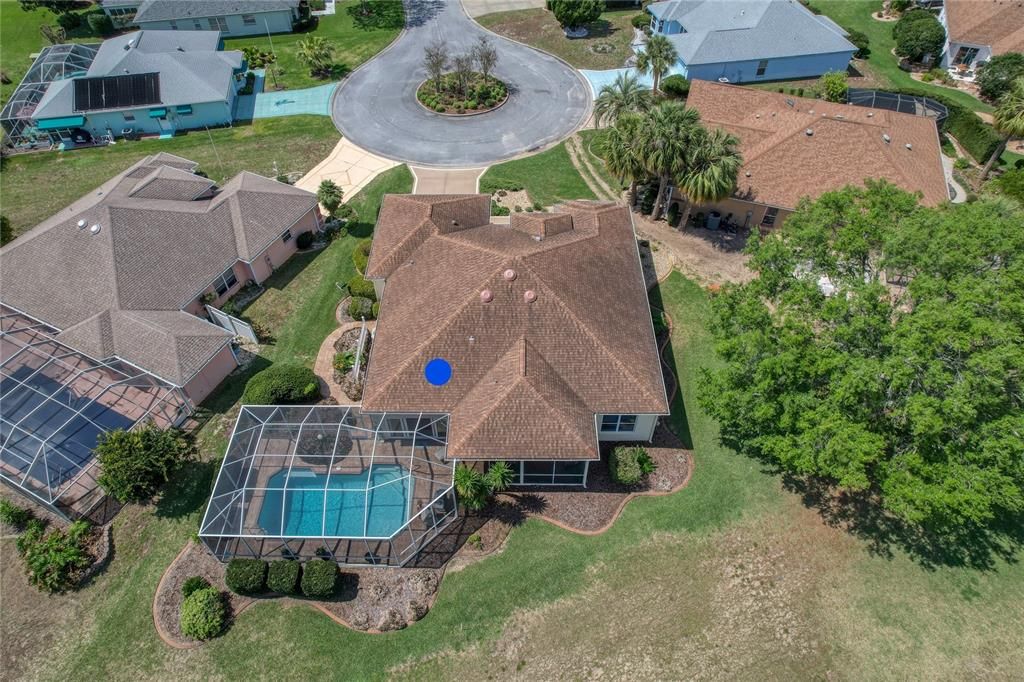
point(147, 82)
point(125, 271)
point(229, 17)
point(794, 148)
point(745, 41)
point(544, 322)
point(977, 30)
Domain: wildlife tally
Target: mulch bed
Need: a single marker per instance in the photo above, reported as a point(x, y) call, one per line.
point(351, 386)
point(593, 508)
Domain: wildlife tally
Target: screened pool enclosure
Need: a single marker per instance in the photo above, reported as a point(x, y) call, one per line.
point(327, 480)
point(55, 402)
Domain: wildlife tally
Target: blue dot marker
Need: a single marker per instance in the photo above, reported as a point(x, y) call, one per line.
point(438, 372)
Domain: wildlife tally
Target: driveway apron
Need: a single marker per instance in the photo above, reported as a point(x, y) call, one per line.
point(376, 106)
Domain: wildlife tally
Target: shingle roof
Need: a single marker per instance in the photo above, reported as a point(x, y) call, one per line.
point(719, 31)
point(996, 23)
point(782, 163)
point(192, 69)
point(536, 356)
point(163, 10)
point(164, 235)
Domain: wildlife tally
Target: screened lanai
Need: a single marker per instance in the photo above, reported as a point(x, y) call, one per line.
point(327, 480)
point(54, 63)
point(55, 402)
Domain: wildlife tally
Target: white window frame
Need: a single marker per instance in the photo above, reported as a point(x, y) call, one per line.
point(287, 236)
point(762, 68)
point(249, 19)
point(623, 423)
point(225, 280)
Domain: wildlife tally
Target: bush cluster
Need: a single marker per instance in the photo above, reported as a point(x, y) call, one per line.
point(283, 576)
point(860, 41)
point(281, 384)
point(319, 577)
point(361, 255)
point(250, 84)
point(203, 614)
point(304, 240)
point(918, 33)
point(360, 307)
point(194, 584)
point(53, 560)
point(134, 464)
point(629, 464)
point(675, 86)
point(343, 362)
point(994, 80)
point(13, 515)
point(100, 24)
point(246, 576)
point(498, 209)
point(360, 286)
point(976, 136)
point(642, 20)
point(478, 95)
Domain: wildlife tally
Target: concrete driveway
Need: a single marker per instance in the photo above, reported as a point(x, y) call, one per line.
point(376, 106)
point(478, 8)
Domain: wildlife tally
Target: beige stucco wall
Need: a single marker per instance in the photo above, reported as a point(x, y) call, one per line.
point(737, 207)
point(645, 424)
point(208, 378)
point(278, 252)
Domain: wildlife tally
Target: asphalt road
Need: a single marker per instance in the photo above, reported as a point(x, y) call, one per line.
point(376, 106)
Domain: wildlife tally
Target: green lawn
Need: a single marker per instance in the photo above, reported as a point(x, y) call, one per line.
point(355, 40)
point(856, 14)
point(607, 46)
point(548, 177)
point(35, 186)
point(591, 140)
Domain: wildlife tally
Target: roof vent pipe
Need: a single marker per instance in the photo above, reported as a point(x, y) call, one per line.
point(81, 224)
point(809, 132)
point(886, 138)
point(95, 229)
point(530, 296)
point(509, 274)
point(486, 296)
point(909, 146)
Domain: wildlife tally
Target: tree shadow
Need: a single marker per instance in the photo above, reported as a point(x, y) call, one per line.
point(187, 490)
point(678, 420)
point(419, 12)
point(381, 14)
point(602, 28)
point(862, 515)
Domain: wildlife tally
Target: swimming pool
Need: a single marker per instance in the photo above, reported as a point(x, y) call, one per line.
point(373, 503)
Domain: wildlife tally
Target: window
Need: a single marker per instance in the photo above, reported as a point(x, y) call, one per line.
point(248, 19)
point(762, 66)
point(965, 55)
point(218, 24)
point(769, 216)
point(618, 423)
point(174, 25)
point(128, 116)
point(548, 473)
point(197, 25)
point(226, 281)
point(287, 236)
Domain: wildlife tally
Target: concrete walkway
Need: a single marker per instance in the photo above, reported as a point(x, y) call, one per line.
point(349, 166)
point(444, 181)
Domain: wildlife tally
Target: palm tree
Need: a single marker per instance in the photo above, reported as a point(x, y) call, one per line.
point(658, 57)
point(1009, 120)
point(316, 53)
point(665, 138)
point(620, 148)
point(470, 487)
point(625, 94)
point(712, 165)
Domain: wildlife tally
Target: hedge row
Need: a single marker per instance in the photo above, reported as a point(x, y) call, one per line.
point(317, 578)
point(281, 384)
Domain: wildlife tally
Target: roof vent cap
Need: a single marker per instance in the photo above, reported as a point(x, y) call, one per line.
point(530, 296)
point(509, 274)
point(809, 132)
point(81, 224)
point(909, 146)
point(95, 229)
point(486, 296)
point(747, 174)
point(886, 138)
point(871, 114)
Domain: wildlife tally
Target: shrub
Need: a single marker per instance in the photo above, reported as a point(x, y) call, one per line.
point(283, 576)
point(642, 20)
point(202, 614)
point(359, 286)
point(246, 576)
point(329, 194)
point(319, 577)
point(53, 560)
point(918, 33)
point(69, 20)
point(961, 163)
point(629, 464)
point(861, 42)
point(1011, 183)
point(675, 86)
point(799, 92)
point(100, 24)
point(343, 362)
point(361, 255)
point(281, 384)
point(375, 309)
point(498, 209)
point(360, 307)
point(537, 206)
point(194, 584)
point(134, 464)
point(660, 323)
point(304, 240)
point(995, 78)
point(13, 515)
point(834, 85)
point(573, 13)
point(976, 136)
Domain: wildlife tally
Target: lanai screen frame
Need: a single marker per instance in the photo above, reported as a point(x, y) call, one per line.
point(230, 526)
point(48, 376)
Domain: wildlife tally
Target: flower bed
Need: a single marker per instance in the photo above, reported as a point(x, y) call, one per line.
point(345, 348)
point(453, 97)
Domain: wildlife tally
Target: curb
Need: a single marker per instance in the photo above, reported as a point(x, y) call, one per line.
point(163, 634)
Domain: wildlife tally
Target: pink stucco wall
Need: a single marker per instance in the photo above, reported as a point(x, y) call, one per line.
point(208, 378)
point(279, 252)
point(196, 307)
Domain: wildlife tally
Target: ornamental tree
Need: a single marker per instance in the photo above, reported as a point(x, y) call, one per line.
point(995, 79)
point(134, 464)
point(834, 86)
point(918, 33)
point(575, 13)
point(909, 392)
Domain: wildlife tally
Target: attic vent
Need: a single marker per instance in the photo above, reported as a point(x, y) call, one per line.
point(747, 174)
point(455, 222)
point(909, 146)
point(81, 224)
point(486, 296)
point(809, 132)
point(95, 229)
point(509, 274)
point(886, 138)
point(530, 296)
point(840, 116)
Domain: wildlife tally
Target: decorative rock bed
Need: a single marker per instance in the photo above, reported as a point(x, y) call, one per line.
point(352, 386)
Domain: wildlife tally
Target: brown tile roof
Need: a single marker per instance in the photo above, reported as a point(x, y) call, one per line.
point(566, 336)
point(164, 235)
point(782, 162)
point(998, 24)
